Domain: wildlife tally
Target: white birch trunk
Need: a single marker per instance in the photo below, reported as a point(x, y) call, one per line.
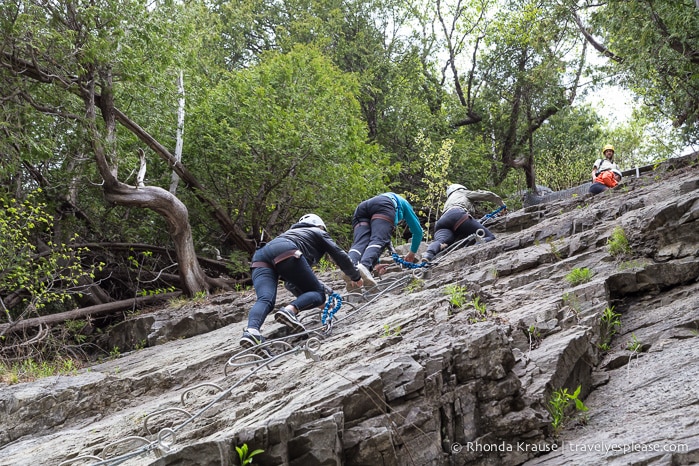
point(180, 130)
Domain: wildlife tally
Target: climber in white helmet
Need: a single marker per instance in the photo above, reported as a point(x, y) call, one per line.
point(456, 221)
point(290, 257)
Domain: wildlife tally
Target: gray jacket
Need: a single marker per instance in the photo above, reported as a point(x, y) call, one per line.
point(464, 198)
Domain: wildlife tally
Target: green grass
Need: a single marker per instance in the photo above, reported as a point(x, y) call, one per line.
point(618, 243)
point(457, 294)
point(29, 369)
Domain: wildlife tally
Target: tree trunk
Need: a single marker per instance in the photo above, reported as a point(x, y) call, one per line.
point(180, 129)
point(91, 311)
point(161, 201)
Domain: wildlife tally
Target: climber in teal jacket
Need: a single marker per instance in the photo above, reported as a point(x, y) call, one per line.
point(373, 224)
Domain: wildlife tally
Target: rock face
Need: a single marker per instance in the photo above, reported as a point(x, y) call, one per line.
point(407, 376)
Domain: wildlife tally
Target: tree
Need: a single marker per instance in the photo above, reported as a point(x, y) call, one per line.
point(655, 50)
point(67, 59)
point(398, 93)
point(533, 73)
point(285, 138)
point(566, 147)
point(33, 277)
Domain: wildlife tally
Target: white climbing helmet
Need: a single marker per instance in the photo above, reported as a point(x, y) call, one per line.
point(617, 172)
point(454, 187)
point(314, 220)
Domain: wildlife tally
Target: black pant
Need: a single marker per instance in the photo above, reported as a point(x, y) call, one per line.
point(596, 188)
point(446, 234)
point(293, 270)
point(373, 224)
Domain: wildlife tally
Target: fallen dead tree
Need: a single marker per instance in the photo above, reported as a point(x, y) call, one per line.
point(91, 311)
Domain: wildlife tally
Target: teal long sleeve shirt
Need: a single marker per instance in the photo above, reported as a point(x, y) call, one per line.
point(404, 211)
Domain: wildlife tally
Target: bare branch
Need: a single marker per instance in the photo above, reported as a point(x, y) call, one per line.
point(142, 169)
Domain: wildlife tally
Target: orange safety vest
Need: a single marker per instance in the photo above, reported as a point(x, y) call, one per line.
point(606, 178)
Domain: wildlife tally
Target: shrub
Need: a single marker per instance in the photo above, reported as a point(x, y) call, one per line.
point(617, 243)
point(578, 276)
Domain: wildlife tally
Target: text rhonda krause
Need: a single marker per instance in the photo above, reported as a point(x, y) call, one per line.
point(576, 447)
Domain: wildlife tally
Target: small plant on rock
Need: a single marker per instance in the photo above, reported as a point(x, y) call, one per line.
point(617, 243)
point(634, 345)
point(610, 323)
point(554, 248)
point(115, 353)
point(481, 310)
point(245, 456)
point(579, 276)
point(178, 301)
point(391, 332)
point(534, 335)
point(415, 285)
point(571, 300)
point(200, 297)
point(29, 369)
point(631, 264)
point(559, 405)
point(478, 305)
point(457, 295)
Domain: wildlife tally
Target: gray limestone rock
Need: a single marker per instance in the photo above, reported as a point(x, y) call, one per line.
point(407, 377)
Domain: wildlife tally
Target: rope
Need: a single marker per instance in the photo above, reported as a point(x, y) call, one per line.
point(409, 265)
point(491, 215)
point(327, 313)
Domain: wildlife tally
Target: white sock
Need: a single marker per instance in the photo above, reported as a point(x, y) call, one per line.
point(253, 331)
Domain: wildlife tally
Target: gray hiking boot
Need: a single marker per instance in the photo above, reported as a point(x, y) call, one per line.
point(367, 277)
point(349, 284)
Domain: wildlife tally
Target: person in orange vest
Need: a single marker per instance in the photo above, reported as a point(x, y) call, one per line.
point(605, 164)
point(605, 180)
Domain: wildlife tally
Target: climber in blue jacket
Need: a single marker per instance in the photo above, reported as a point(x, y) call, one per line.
point(373, 223)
